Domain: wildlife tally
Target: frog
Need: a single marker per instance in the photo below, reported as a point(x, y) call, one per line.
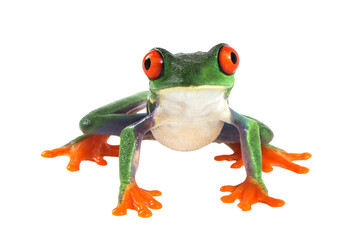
point(186, 108)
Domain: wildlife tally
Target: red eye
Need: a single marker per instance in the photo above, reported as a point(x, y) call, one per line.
point(228, 59)
point(153, 64)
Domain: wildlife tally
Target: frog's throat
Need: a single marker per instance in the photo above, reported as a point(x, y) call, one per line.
point(188, 118)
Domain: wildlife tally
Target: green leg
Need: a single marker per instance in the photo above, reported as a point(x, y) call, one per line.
point(105, 120)
point(130, 195)
point(97, 126)
point(253, 189)
point(250, 144)
point(266, 135)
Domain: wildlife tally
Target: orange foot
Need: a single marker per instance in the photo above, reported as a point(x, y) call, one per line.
point(270, 157)
point(138, 199)
point(249, 192)
point(92, 148)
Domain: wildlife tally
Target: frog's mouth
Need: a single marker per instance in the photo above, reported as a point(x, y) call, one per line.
point(191, 90)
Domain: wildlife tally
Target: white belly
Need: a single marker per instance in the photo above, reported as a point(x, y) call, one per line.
point(190, 118)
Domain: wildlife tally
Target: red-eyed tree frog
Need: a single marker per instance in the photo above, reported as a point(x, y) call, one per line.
point(186, 109)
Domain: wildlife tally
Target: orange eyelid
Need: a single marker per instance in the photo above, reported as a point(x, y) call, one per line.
point(153, 64)
point(228, 59)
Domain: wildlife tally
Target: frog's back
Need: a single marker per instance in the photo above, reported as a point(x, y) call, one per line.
point(189, 118)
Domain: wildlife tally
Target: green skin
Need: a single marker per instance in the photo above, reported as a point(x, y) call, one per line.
point(180, 70)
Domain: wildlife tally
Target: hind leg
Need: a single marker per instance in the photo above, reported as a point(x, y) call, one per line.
point(93, 145)
point(271, 156)
point(97, 127)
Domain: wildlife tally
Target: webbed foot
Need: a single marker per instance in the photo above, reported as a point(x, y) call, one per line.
point(138, 199)
point(249, 192)
point(92, 148)
point(271, 156)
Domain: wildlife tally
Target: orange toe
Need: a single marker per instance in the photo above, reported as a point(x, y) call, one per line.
point(137, 199)
point(119, 211)
point(56, 152)
point(249, 192)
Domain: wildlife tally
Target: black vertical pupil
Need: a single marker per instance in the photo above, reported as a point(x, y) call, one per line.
point(233, 58)
point(147, 63)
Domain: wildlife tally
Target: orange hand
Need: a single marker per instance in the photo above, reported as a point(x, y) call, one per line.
point(93, 148)
point(138, 199)
point(249, 192)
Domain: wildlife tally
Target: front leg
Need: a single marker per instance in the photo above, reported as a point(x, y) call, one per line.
point(253, 189)
point(130, 195)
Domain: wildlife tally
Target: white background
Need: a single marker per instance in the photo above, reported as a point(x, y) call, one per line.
point(299, 74)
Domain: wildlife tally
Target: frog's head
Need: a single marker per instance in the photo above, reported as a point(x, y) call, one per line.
point(214, 68)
